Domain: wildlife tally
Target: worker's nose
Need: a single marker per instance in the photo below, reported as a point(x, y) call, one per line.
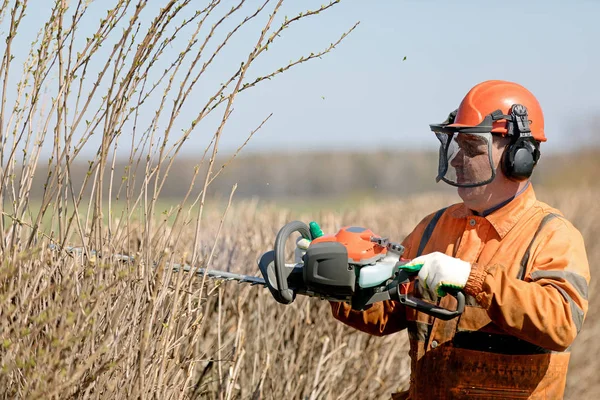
point(457, 160)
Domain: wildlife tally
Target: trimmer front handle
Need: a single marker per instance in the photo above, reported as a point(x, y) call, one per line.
point(285, 294)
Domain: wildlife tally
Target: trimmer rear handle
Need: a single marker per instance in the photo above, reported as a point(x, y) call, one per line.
point(397, 291)
point(433, 309)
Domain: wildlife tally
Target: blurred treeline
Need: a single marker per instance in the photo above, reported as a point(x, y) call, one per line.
point(280, 176)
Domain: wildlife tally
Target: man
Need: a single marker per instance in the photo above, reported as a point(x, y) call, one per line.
point(521, 264)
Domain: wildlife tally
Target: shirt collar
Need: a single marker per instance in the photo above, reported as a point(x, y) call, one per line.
point(504, 218)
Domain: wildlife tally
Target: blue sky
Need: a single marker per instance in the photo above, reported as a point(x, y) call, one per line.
point(364, 96)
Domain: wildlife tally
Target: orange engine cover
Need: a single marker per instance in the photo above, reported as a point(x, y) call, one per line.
point(357, 240)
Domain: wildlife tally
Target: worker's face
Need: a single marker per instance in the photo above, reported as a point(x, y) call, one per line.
point(466, 159)
point(473, 167)
point(471, 162)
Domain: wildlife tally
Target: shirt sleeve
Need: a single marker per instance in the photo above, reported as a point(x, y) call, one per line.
point(382, 318)
point(549, 305)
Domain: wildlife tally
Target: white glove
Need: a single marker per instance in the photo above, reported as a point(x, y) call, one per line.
point(301, 247)
point(303, 243)
point(438, 271)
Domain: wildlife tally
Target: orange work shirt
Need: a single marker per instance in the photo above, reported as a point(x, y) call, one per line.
point(527, 297)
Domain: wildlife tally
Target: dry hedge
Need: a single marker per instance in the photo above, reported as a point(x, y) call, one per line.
point(98, 328)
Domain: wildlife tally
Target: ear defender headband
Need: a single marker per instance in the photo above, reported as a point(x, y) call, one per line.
point(522, 154)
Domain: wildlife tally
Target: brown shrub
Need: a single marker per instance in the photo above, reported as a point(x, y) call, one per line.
point(99, 328)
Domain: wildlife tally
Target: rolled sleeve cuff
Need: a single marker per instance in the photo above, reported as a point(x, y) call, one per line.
point(474, 285)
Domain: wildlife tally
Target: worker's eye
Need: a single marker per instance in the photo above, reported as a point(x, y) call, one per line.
point(472, 151)
point(471, 145)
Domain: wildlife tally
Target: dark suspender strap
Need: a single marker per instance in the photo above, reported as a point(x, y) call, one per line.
point(547, 218)
point(429, 230)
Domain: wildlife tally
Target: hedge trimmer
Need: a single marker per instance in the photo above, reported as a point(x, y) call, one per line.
point(354, 266)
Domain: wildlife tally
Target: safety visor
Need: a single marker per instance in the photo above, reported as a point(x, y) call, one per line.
point(465, 155)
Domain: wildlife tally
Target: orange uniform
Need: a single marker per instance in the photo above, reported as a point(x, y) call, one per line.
point(527, 297)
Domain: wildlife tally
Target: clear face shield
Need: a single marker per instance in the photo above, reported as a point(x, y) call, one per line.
point(465, 159)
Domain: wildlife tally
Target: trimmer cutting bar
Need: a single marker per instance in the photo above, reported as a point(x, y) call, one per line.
point(227, 276)
point(215, 274)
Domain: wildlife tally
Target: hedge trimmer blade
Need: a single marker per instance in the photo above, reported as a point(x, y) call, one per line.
point(214, 274)
point(226, 276)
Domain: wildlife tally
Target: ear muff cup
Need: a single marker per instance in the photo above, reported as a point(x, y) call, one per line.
point(519, 159)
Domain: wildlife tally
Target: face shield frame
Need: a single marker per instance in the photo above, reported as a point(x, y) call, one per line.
point(449, 141)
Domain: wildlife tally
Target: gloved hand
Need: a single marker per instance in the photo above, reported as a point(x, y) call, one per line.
point(438, 271)
point(303, 243)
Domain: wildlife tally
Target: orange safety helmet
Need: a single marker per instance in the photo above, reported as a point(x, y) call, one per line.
point(496, 96)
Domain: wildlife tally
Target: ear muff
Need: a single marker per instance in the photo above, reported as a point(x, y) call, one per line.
point(519, 159)
point(522, 154)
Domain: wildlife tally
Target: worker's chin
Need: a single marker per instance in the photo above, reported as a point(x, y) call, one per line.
point(470, 194)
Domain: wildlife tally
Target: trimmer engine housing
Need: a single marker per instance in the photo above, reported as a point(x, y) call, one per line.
point(326, 270)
